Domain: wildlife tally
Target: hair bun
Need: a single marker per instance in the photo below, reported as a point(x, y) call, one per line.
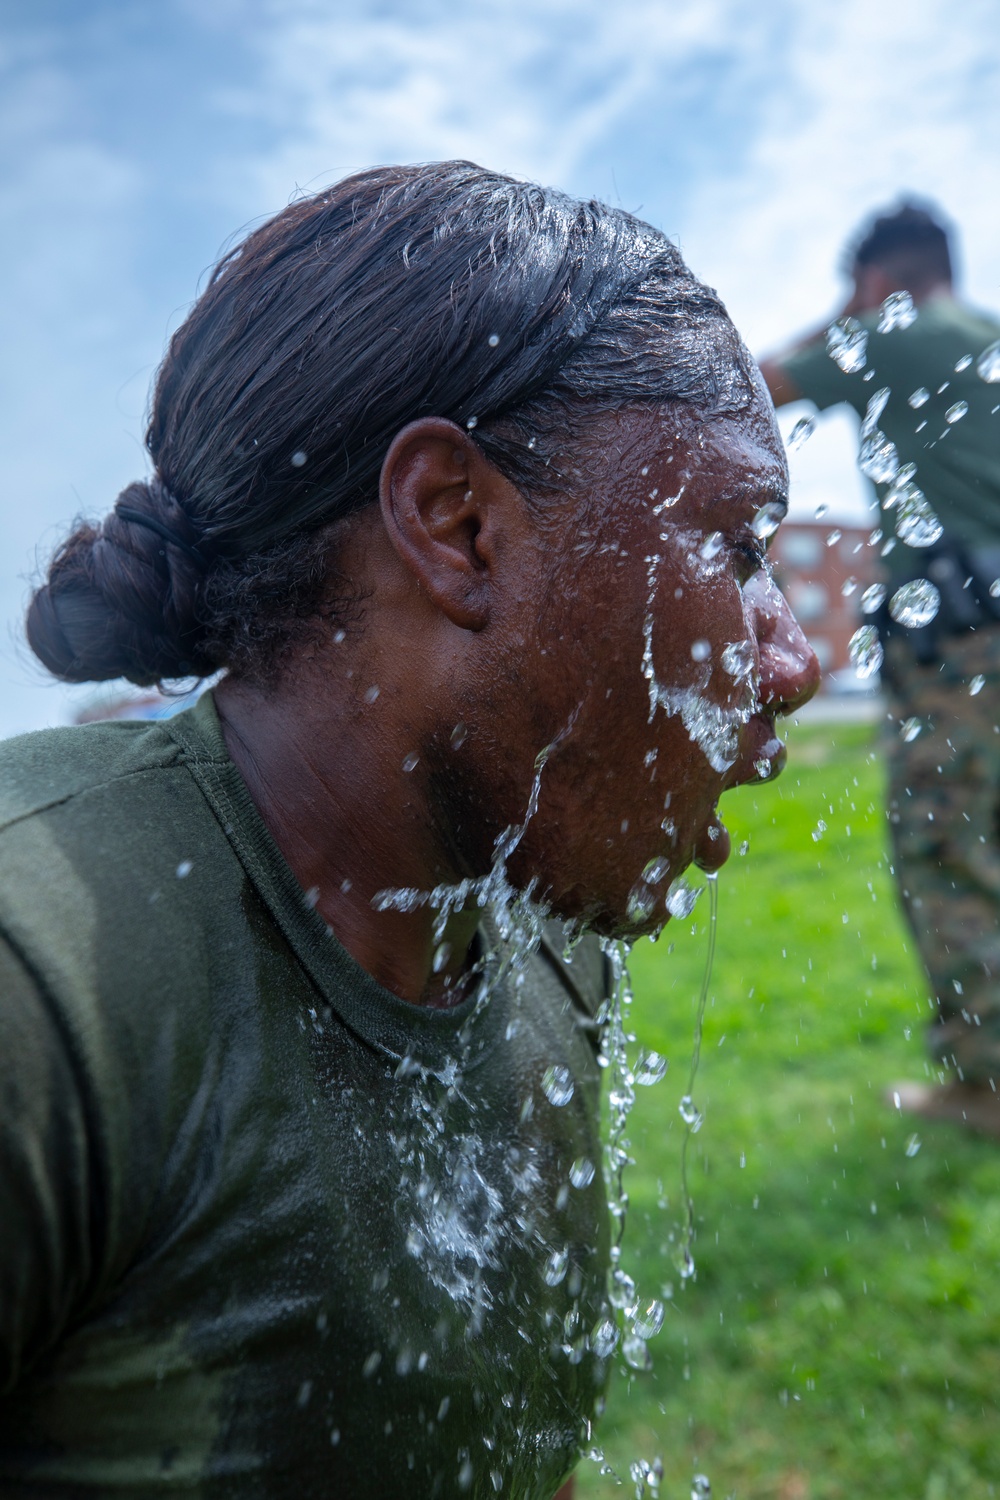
point(121, 598)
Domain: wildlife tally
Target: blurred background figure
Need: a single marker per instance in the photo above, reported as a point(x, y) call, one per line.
point(921, 369)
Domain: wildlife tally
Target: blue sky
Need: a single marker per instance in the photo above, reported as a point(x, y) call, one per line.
point(137, 138)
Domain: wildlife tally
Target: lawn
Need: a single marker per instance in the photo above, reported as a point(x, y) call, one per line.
point(841, 1337)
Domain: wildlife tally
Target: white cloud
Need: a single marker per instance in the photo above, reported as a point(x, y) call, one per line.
point(876, 99)
point(527, 86)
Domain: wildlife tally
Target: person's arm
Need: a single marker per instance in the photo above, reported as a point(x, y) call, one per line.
point(780, 382)
point(47, 1203)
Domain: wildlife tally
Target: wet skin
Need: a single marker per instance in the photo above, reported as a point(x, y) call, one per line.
point(521, 626)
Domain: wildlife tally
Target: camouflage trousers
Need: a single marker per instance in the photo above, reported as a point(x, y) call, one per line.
point(944, 816)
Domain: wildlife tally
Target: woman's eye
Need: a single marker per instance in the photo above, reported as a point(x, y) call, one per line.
point(753, 551)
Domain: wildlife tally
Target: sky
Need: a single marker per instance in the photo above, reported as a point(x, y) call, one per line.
point(138, 140)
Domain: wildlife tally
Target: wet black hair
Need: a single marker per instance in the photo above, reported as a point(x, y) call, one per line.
point(441, 289)
point(910, 239)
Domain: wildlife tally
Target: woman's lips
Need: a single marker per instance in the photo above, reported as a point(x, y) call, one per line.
point(763, 754)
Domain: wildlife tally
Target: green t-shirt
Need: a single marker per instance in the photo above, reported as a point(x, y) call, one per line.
point(957, 463)
point(266, 1229)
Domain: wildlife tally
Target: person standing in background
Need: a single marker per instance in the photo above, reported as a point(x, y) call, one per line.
point(921, 369)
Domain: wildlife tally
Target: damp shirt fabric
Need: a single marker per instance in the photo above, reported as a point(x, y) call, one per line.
point(957, 461)
point(266, 1229)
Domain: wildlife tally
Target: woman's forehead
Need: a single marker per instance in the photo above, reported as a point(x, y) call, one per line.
point(742, 452)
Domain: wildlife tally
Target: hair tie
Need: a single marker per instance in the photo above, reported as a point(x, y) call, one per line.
point(152, 523)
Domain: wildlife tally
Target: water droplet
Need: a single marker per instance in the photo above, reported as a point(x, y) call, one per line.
point(800, 433)
point(555, 1267)
point(650, 1068)
point(299, 459)
point(635, 1353)
point(901, 488)
point(877, 457)
point(496, 1479)
point(956, 413)
point(690, 1113)
point(821, 510)
point(916, 523)
point(655, 870)
point(411, 761)
point(915, 604)
point(458, 736)
point(648, 1319)
point(963, 363)
point(848, 586)
point(641, 900)
point(371, 694)
point(184, 868)
point(681, 898)
point(472, 423)
point(874, 409)
point(465, 1474)
point(988, 364)
point(912, 1145)
point(873, 598)
point(910, 729)
point(581, 1173)
point(701, 650)
point(865, 651)
point(897, 311)
point(701, 1488)
point(995, 589)
point(442, 953)
point(847, 344)
point(976, 685)
point(604, 1337)
point(768, 519)
point(339, 636)
point(557, 1084)
point(919, 397)
point(738, 659)
point(621, 1288)
point(763, 767)
point(493, 340)
point(712, 545)
point(834, 537)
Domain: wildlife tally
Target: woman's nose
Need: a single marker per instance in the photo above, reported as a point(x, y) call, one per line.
point(789, 670)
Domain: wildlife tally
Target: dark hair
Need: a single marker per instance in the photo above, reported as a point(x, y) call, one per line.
point(910, 241)
point(400, 292)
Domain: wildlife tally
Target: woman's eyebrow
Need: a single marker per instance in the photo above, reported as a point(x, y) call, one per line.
point(772, 490)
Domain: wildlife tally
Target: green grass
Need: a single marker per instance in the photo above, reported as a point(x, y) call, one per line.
point(842, 1335)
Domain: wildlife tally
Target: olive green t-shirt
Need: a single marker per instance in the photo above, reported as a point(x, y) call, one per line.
point(265, 1229)
point(958, 461)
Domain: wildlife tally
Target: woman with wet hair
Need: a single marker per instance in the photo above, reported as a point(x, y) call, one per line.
point(461, 490)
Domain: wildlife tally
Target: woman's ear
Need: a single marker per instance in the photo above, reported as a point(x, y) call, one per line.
point(447, 511)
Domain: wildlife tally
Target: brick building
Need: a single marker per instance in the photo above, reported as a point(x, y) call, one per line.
point(823, 569)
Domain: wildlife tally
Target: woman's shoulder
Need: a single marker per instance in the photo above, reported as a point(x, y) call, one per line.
point(109, 855)
point(51, 768)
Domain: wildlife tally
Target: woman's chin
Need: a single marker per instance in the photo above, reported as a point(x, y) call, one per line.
point(713, 846)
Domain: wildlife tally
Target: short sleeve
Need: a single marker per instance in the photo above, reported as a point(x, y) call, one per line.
point(821, 380)
point(46, 1192)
